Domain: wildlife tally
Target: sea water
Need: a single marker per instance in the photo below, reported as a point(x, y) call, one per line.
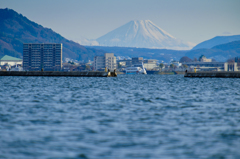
point(130, 116)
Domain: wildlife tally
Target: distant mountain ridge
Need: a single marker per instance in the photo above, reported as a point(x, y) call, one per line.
point(15, 29)
point(235, 45)
point(218, 40)
point(221, 52)
point(141, 34)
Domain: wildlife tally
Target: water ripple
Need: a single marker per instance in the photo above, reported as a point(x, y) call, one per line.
point(153, 116)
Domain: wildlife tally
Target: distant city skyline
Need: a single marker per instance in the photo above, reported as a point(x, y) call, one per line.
point(191, 21)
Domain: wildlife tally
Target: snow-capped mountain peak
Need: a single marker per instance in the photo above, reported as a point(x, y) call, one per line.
point(141, 33)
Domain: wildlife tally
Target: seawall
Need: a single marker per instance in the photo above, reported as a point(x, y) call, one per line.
point(60, 74)
point(213, 74)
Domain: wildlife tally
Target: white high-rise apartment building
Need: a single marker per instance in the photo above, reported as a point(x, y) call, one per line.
point(107, 61)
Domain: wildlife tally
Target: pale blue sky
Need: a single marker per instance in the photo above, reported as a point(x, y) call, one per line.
point(189, 20)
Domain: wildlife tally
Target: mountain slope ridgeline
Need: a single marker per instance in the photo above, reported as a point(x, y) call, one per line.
point(142, 34)
point(218, 40)
point(15, 29)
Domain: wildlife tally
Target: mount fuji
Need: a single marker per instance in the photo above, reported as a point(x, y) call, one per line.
point(142, 34)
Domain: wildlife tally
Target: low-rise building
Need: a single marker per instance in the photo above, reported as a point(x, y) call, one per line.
point(99, 62)
point(204, 59)
point(137, 60)
point(150, 64)
point(212, 66)
point(107, 61)
point(9, 60)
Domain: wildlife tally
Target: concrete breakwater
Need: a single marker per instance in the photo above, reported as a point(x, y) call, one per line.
point(213, 74)
point(56, 73)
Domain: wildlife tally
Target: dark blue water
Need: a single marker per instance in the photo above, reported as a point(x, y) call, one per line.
point(141, 116)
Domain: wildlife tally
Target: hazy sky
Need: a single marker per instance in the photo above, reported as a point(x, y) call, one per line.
point(189, 20)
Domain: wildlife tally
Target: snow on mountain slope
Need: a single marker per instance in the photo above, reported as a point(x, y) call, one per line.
point(143, 34)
